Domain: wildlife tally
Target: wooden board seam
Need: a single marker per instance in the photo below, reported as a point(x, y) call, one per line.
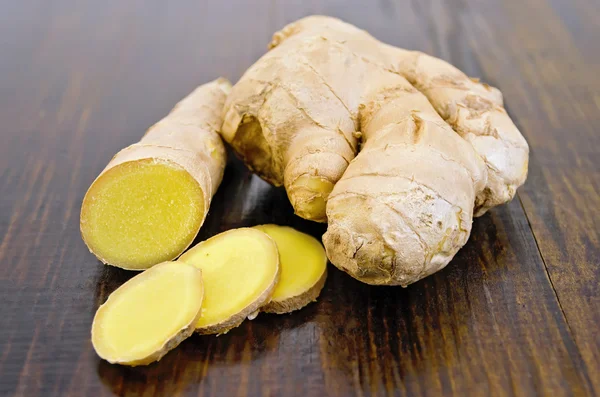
point(564, 316)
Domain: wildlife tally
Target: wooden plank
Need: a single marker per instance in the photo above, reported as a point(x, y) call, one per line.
point(554, 95)
point(79, 82)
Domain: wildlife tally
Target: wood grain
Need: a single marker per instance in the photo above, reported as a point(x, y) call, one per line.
point(517, 312)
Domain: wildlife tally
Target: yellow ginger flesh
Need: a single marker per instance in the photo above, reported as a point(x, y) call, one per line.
point(149, 314)
point(303, 268)
point(133, 235)
point(240, 268)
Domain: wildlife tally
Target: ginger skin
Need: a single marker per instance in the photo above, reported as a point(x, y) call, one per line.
point(436, 147)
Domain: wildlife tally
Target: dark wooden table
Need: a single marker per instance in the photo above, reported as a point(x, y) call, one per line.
point(517, 312)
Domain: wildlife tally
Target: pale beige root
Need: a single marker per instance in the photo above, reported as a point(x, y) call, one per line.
point(150, 201)
point(474, 109)
point(240, 269)
point(404, 206)
point(149, 315)
point(303, 269)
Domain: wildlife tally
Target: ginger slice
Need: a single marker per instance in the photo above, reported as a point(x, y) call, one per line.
point(150, 201)
point(240, 269)
point(149, 315)
point(303, 269)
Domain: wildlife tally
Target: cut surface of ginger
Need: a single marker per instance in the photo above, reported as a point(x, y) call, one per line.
point(240, 269)
point(303, 269)
point(149, 315)
point(140, 213)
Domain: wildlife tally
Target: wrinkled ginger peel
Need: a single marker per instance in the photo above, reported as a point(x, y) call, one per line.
point(303, 269)
point(149, 315)
point(240, 269)
point(396, 150)
point(148, 204)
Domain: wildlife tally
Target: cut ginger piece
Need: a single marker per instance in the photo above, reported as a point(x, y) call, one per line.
point(141, 213)
point(303, 269)
point(149, 315)
point(150, 201)
point(240, 269)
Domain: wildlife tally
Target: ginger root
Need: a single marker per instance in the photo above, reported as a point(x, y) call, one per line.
point(150, 201)
point(303, 269)
point(149, 315)
point(437, 147)
point(240, 269)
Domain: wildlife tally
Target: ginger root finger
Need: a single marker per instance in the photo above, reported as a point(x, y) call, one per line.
point(240, 269)
point(149, 315)
point(404, 206)
point(292, 130)
point(150, 201)
point(303, 269)
point(476, 112)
